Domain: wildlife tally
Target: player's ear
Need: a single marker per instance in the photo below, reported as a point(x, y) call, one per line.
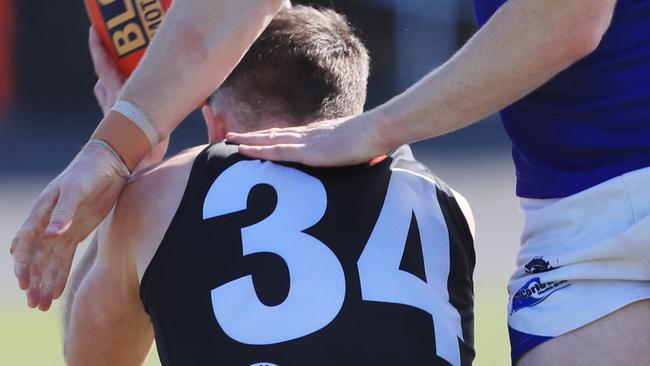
point(215, 124)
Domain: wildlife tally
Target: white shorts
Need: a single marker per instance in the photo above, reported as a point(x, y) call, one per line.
point(582, 257)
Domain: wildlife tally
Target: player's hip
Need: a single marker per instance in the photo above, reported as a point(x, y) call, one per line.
point(582, 257)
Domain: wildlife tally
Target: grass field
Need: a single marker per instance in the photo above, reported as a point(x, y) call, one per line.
point(31, 338)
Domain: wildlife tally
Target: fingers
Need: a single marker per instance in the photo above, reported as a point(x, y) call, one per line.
point(102, 97)
point(101, 59)
point(53, 268)
point(110, 81)
point(12, 247)
point(277, 144)
point(272, 136)
point(40, 214)
point(36, 272)
point(48, 273)
point(279, 152)
point(100, 91)
point(46, 276)
point(64, 272)
point(105, 67)
point(64, 211)
point(25, 243)
point(49, 279)
point(22, 258)
point(82, 195)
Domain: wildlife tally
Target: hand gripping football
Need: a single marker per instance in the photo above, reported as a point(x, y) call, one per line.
point(126, 27)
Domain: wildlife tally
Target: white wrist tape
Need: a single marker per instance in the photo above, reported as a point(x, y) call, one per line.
point(140, 118)
point(121, 166)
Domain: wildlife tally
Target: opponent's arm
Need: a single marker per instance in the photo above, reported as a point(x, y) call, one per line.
point(108, 87)
point(521, 47)
point(196, 47)
point(525, 44)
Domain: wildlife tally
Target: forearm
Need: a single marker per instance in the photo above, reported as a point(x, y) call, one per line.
point(525, 44)
point(195, 49)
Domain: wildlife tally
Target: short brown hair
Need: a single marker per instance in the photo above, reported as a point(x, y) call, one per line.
point(306, 66)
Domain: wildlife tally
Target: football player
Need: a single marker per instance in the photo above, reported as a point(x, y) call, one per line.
point(228, 260)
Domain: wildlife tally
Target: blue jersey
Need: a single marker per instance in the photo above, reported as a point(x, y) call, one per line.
point(591, 122)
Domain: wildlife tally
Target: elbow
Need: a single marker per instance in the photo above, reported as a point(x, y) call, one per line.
point(581, 43)
point(582, 35)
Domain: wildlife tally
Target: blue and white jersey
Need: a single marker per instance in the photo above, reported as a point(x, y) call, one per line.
point(591, 122)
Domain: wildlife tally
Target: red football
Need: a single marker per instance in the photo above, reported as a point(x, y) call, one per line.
point(126, 27)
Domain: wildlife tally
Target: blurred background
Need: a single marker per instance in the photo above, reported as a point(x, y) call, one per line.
point(47, 111)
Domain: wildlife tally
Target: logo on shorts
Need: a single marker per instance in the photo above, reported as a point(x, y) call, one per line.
point(538, 265)
point(534, 292)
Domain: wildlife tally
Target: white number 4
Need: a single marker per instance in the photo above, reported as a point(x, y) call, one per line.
point(383, 281)
point(317, 281)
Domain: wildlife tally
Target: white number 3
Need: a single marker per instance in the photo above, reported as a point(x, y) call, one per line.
point(317, 280)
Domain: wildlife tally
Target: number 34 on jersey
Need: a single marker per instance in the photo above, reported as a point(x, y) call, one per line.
point(317, 278)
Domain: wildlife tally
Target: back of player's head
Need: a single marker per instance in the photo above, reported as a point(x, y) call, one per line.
point(306, 66)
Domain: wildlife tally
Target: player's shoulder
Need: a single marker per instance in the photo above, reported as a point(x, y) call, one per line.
point(404, 160)
point(145, 206)
point(147, 192)
point(160, 177)
point(168, 166)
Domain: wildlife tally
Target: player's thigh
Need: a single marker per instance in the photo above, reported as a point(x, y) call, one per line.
point(620, 338)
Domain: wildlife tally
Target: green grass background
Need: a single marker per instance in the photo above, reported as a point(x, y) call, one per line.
point(32, 338)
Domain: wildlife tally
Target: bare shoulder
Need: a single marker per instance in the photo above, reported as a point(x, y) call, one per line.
point(158, 178)
point(147, 205)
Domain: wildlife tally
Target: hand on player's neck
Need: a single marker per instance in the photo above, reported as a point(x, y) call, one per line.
point(219, 124)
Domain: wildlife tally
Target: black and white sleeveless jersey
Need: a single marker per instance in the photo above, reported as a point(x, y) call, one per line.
point(281, 264)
